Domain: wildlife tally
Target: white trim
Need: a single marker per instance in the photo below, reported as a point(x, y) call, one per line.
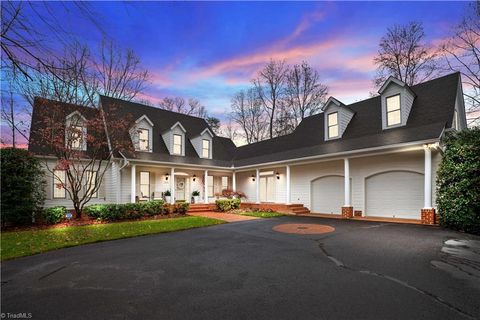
point(287, 174)
point(346, 177)
point(257, 186)
point(331, 100)
point(133, 184)
point(205, 190)
point(209, 132)
point(428, 178)
point(172, 185)
point(178, 124)
point(75, 113)
point(144, 117)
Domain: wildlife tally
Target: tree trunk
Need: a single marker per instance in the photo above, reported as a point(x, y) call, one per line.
point(78, 211)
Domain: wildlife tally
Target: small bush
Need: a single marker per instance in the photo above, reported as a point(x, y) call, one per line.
point(182, 207)
point(227, 204)
point(54, 215)
point(113, 212)
point(458, 182)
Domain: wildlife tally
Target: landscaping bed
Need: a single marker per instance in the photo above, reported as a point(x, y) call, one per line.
point(258, 214)
point(28, 242)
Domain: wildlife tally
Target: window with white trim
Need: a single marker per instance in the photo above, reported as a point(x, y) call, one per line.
point(210, 186)
point(143, 139)
point(91, 183)
point(145, 184)
point(224, 183)
point(177, 144)
point(205, 148)
point(394, 116)
point(76, 138)
point(332, 123)
point(59, 181)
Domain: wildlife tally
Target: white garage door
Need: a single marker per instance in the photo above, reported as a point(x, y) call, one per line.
point(397, 194)
point(327, 195)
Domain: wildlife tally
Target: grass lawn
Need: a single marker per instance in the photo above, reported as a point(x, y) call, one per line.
point(261, 214)
point(25, 243)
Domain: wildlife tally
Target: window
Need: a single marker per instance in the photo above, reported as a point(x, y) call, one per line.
point(59, 184)
point(143, 140)
point(224, 183)
point(210, 186)
point(333, 125)
point(393, 110)
point(91, 182)
point(145, 184)
point(177, 144)
point(206, 148)
point(76, 137)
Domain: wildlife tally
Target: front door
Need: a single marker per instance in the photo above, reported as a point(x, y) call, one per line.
point(180, 188)
point(267, 189)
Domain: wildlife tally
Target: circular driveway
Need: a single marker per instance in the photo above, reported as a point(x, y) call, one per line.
point(245, 270)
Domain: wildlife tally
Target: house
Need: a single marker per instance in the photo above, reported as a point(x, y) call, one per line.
point(377, 157)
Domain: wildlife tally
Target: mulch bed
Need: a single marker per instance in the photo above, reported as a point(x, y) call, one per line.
point(83, 221)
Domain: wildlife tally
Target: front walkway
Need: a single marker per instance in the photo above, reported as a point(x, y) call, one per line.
point(228, 217)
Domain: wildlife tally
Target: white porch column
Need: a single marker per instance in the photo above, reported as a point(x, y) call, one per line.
point(287, 170)
point(134, 182)
point(346, 164)
point(205, 191)
point(257, 186)
point(234, 181)
point(172, 185)
point(428, 178)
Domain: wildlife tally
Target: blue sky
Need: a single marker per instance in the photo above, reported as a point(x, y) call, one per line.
point(210, 50)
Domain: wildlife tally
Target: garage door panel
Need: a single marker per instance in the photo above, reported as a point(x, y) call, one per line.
point(396, 194)
point(327, 194)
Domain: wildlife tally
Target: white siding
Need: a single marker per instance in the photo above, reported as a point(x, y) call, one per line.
point(142, 124)
point(104, 189)
point(344, 117)
point(168, 138)
point(197, 143)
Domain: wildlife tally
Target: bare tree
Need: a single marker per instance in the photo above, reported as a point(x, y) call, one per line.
point(305, 94)
point(119, 72)
point(270, 87)
point(82, 149)
point(9, 116)
point(404, 55)
point(248, 113)
point(229, 130)
point(192, 107)
point(462, 53)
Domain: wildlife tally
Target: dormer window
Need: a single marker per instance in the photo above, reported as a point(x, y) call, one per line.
point(332, 124)
point(143, 139)
point(76, 132)
point(393, 110)
point(177, 144)
point(205, 148)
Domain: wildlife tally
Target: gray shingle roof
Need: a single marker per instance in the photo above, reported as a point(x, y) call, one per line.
point(431, 113)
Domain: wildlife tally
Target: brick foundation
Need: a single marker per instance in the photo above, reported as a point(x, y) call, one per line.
point(428, 216)
point(347, 212)
point(357, 213)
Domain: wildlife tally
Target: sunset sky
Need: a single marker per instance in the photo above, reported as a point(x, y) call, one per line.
point(211, 50)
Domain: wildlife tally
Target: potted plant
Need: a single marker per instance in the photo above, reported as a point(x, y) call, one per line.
point(167, 195)
point(196, 196)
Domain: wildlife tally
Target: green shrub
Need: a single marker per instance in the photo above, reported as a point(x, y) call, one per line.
point(112, 212)
point(54, 215)
point(22, 187)
point(182, 207)
point(458, 182)
point(227, 204)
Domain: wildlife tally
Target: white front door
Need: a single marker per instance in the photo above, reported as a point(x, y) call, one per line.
point(179, 188)
point(267, 189)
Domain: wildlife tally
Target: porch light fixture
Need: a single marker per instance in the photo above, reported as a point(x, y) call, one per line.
point(166, 176)
point(194, 177)
point(253, 177)
point(278, 175)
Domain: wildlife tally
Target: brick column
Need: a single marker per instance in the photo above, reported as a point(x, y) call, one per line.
point(428, 216)
point(347, 212)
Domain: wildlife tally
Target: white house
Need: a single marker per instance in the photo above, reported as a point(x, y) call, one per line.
point(377, 157)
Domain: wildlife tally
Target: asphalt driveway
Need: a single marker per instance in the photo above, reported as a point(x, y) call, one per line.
point(245, 270)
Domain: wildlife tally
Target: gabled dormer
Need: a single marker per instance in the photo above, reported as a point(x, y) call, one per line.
point(174, 139)
point(337, 116)
point(203, 144)
point(76, 131)
point(142, 134)
point(397, 100)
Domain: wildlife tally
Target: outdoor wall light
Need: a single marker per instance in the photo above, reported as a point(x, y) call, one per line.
point(278, 175)
point(166, 177)
point(253, 177)
point(194, 178)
